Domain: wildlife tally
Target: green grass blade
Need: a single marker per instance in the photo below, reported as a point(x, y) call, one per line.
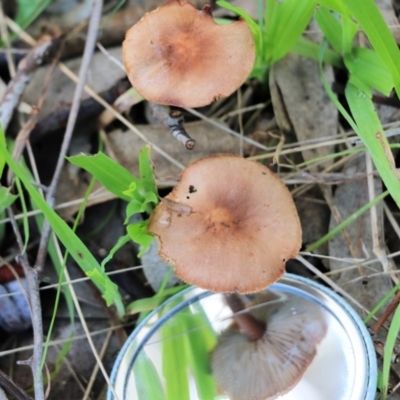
point(29, 10)
point(346, 223)
point(75, 246)
point(285, 22)
point(349, 31)
point(335, 5)
point(147, 173)
point(372, 23)
point(374, 139)
point(330, 27)
point(388, 350)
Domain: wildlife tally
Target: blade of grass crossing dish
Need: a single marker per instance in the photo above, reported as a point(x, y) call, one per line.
point(174, 358)
point(371, 133)
point(148, 384)
point(379, 35)
point(202, 340)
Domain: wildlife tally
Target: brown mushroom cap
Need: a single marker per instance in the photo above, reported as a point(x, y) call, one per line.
point(177, 55)
point(229, 225)
point(272, 365)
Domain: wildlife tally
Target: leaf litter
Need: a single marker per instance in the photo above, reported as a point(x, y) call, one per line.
point(300, 111)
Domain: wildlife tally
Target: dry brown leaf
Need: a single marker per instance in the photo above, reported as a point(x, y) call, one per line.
point(356, 240)
point(301, 104)
point(102, 74)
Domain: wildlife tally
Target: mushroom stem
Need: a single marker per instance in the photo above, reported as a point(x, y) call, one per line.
point(173, 120)
point(253, 328)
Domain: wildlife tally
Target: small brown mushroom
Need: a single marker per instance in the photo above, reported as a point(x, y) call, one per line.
point(177, 55)
point(229, 225)
point(269, 365)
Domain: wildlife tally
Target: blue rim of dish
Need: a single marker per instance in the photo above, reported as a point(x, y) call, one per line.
point(371, 367)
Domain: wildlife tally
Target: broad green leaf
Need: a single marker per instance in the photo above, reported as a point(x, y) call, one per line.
point(349, 31)
point(374, 139)
point(331, 27)
point(138, 233)
point(6, 198)
point(285, 21)
point(379, 35)
point(75, 246)
point(367, 66)
point(335, 5)
point(136, 206)
point(148, 383)
point(29, 10)
point(147, 174)
point(108, 172)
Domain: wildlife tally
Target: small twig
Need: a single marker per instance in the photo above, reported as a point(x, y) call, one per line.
point(11, 388)
point(87, 56)
point(36, 311)
point(173, 120)
point(17, 85)
point(387, 313)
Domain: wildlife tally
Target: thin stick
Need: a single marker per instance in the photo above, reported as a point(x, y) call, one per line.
point(87, 56)
point(36, 311)
point(17, 85)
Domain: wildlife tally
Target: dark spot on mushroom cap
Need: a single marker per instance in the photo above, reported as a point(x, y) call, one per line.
point(192, 189)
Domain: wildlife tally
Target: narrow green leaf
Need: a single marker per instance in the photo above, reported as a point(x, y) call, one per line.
point(391, 340)
point(379, 35)
point(331, 27)
point(285, 22)
point(75, 246)
point(148, 383)
point(374, 139)
point(346, 223)
point(368, 67)
point(335, 5)
point(121, 242)
point(108, 172)
point(349, 31)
